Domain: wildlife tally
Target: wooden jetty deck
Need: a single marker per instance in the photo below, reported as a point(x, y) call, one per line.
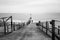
point(30, 32)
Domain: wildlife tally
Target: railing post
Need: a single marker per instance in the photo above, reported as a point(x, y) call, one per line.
point(46, 27)
point(42, 26)
point(53, 29)
point(14, 26)
point(4, 27)
point(58, 30)
point(11, 25)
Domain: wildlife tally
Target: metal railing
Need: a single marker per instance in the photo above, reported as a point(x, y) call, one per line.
point(54, 34)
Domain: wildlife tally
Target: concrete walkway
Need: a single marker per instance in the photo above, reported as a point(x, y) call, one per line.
point(30, 32)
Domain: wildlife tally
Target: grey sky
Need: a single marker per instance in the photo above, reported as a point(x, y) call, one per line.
point(40, 9)
point(27, 6)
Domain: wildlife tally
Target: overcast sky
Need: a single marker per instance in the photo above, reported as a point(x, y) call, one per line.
point(35, 7)
point(27, 6)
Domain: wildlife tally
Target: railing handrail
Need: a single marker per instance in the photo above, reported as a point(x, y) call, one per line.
point(53, 30)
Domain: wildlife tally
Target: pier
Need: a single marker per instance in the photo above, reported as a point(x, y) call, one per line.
point(30, 32)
